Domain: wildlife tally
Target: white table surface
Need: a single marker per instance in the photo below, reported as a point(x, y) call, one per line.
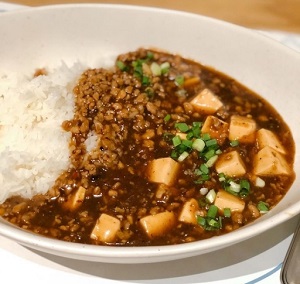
point(257, 260)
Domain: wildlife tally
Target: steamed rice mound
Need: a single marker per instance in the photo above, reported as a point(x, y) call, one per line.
point(34, 149)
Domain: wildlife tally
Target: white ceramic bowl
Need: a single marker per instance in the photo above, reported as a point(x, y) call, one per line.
point(44, 36)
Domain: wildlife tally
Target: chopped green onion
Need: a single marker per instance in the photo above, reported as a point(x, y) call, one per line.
point(204, 177)
point(211, 196)
point(214, 223)
point(234, 143)
point(167, 117)
point(210, 153)
point(189, 135)
point(245, 187)
point(165, 67)
point(121, 65)
point(227, 212)
point(176, 141)
point(211, 142)
point(174, 155)
point(235, 187)
point(179, 80)
point(197, 124)
point(183, 156)
point(187, 143)
point(263, 207)
point(211, 161)
point(181, 126)
point(204, 169)
point(203, 190)
point(145, 80)
point(196, 129)
point(260, 182)
point(201, 221)
point(212, 211)
point(150, 55)
point(198, 145)
point(155, 69)
point(205, 136)
point(221, 177)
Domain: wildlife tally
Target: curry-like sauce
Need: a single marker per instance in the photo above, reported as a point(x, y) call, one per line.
point(129, 116)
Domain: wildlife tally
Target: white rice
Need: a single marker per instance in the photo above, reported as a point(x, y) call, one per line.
point(33, 146)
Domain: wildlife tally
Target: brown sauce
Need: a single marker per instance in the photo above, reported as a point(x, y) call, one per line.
point(134, 114)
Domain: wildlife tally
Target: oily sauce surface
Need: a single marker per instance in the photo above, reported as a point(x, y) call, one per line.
point(128, 116)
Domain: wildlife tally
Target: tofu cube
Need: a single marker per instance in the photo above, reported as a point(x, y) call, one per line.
point(106, 229)
point(231, 164)
point(266, 137)
point(242, 129)
point(157, 225)
point(206, 102)
point(227, 200)
point(74, 200)
point(269, 162)
point(189, 212)
point(163, 170)
point(216, 128)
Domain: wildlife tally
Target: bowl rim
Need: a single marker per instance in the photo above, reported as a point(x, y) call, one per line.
point(141, 253)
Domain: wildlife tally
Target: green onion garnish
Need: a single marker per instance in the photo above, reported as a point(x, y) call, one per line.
point(121, 65)
point(155, 69)
point(227, 212)
point(165, 67)
point(201, 221)
point(263, 207)
point(176, 141)
point(205, 136)
point(167, 117)
point(181, 126)
point(212, 211)
point(198, 145)
point(211, 196)
point(234, 143)
point(211, 161)
point(179, 80)
point(183, 156)
point(211, 142)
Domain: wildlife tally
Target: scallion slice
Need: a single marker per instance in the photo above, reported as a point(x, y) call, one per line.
point(259, 182)
point(212, 211)
point(183, 156)
point(181, 126)
point(211, 196)
point(234, 143)
point(235, 187)
point(211, 142)
point(121, 65)
point(176, 141)
point(198, 145)
point(201, 221)
point(263, 207)
point(155, 69)
point(167, 117)
point(210, 153)
point(227, 212)
point(165, 67)
point(179, 80)
point(211, 161)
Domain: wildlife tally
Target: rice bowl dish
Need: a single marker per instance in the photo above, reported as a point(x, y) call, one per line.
point(51, 158)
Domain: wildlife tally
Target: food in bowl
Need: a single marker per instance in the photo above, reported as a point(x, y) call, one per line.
point(157, 150)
